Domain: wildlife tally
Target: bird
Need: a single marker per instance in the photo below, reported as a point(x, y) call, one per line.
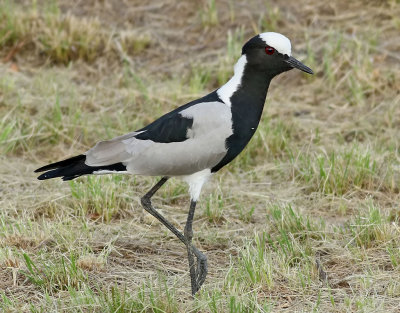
point(193, 141)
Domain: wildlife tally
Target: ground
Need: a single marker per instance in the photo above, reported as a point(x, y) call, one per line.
point(306, 219)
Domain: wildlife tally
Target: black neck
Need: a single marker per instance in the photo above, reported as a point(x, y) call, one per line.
point(248, 100)
point(247, 104)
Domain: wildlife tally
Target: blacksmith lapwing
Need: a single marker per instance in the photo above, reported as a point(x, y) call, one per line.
point(193, 141)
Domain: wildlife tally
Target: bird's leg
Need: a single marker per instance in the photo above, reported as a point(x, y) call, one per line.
point(146, 203)
point(188, 232)
point(197, 274)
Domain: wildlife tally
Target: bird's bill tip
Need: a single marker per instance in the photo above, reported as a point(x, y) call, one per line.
point(297, 64)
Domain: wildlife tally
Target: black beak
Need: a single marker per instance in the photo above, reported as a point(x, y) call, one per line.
point(297, 64)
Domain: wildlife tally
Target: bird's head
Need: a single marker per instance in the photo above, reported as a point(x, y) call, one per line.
point(271, 53)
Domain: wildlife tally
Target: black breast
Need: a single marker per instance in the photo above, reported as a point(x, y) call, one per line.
point(247, 106)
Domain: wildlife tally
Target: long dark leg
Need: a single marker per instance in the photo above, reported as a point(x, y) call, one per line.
point(197, 275)
point(146, 203)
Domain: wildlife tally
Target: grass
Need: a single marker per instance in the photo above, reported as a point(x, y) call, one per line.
point(209, 13)
point(306, 219)
point(60, 38)
point(337, 172)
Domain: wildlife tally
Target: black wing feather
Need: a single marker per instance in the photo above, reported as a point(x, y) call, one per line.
point(173, 127)
point(169, 128)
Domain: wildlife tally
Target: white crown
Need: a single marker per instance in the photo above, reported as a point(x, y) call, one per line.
point(277, 41)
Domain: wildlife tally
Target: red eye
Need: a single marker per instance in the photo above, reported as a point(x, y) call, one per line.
point(269, 50)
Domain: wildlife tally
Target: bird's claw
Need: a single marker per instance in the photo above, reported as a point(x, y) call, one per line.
point(201, 270)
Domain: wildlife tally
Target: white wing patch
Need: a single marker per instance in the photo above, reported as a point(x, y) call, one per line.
point(208, 116)
point(104, 172)
point(278, 41)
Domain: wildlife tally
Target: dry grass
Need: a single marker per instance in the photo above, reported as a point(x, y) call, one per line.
point(305, 220)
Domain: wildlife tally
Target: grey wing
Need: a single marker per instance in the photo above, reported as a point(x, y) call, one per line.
point(195, 139)
point(113, 151)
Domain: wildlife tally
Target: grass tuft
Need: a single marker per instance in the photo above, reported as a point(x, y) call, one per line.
point(54, 276)
point(341, 172)
point(61, 38)
point(98, 197)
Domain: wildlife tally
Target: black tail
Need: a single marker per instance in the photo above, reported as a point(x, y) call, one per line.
point(74, 167)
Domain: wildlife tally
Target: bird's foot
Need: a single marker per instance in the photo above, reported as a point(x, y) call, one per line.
point(199, 274)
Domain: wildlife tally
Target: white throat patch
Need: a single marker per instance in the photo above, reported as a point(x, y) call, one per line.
point(227, 90)
point(278, 42)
